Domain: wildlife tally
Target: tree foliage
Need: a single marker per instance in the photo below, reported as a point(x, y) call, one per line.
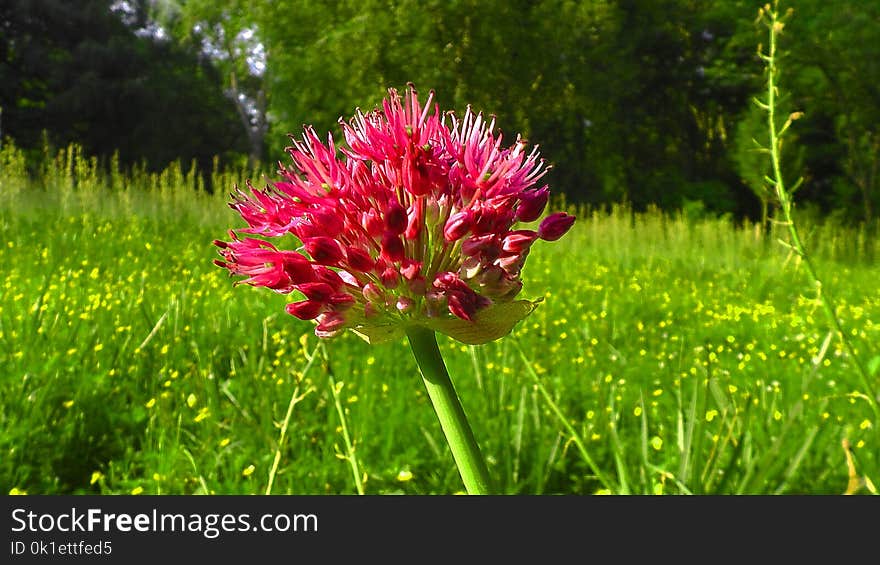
point(226, 33)
point(647, 101)
point(82, 72)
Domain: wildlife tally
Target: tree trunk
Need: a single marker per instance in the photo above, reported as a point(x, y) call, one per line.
point(255, 125)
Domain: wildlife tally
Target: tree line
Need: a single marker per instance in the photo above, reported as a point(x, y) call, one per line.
point(643, 101)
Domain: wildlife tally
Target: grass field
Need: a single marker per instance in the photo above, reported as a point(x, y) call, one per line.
point(671, 355)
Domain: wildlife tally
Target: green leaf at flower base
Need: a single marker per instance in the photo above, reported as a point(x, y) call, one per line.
point(380, 333)
point(489, 324)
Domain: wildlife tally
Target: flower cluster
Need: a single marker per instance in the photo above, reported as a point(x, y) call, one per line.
point(412, 222)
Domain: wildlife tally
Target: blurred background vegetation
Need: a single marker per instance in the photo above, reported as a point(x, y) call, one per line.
point(640, 101)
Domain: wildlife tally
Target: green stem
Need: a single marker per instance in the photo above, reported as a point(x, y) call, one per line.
point(784, 197)
point(447, 406)
point(295, 398)
point(350, 455)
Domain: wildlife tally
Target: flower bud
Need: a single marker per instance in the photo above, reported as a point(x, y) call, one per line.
point(392, 247)
point(372, 293)
point(555, 225)
point(305, 310)
point(466, 303)
point(532, 204)
point(410, 269)
point(389, 278)
point(341, 301)
point(415, 220)
point(512, 262)
point(330, 324)
point(457, 226)
point(494, 281)
point(318, 291)
point(486, 246)
point(298, 268)
point(370, 310)
point(470, 267)
point(435, 304)
point(518, 241)
point(329, 276)
point(359, 260)
point(324, 250)
point(395, 217)
point(404, 304)
point(373, 223)
point(331, 223)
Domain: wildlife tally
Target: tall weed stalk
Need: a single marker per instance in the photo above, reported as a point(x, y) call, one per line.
point(775, 23)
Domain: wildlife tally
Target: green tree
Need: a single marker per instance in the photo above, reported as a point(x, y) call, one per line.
point(227, 34)
point(82, 71)
point(614, 92)
point(647, 101)
point(830, 66)
point(836, 72)
point(529, 63)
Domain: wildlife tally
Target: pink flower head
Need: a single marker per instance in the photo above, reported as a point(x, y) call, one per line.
point(415, 221)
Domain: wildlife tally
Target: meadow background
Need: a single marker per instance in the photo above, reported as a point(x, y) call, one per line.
point(680, 349)
point(683, 354)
